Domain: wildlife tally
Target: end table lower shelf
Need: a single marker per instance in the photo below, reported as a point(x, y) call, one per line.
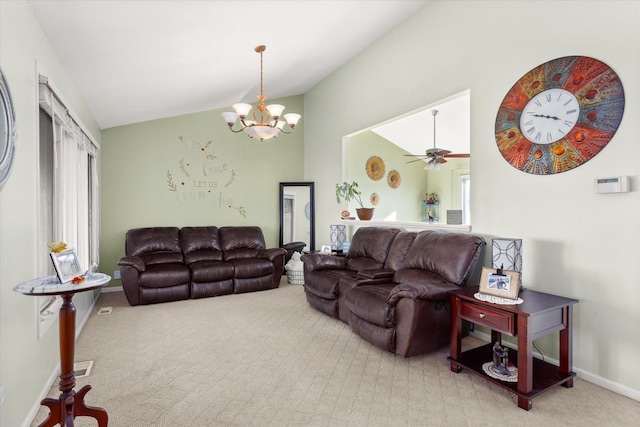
point(545, 375)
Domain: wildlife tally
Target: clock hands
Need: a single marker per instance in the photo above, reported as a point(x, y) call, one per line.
point(546, 117)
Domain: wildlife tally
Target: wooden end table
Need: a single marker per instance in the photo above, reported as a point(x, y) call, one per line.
point(70, 404)
point(539, 314)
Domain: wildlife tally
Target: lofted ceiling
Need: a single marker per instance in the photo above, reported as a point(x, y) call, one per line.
point(134, 61)
point(414, 132)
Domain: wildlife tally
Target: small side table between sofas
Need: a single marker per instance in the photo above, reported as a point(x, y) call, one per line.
point(539, 314)
point(70, 404)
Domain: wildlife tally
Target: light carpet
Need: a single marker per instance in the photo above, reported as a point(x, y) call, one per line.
point(269, 359)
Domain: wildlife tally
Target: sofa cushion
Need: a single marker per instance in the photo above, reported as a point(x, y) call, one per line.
point(384, 338)
point(200, 244)
point(241, 242)
point(398, 250)
point(211, 271)
point(247, 268)
point(324, 283)
point(370, 303)
point(154, 245)
point(369, 247)
point(165, 275)
point(449, 255)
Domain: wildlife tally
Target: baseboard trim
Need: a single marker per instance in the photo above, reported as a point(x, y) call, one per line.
point(111, 289)
point(585, 375)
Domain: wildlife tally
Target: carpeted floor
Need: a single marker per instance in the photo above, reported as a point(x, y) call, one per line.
point(269, 359)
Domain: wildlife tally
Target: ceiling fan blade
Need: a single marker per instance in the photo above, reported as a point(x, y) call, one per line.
point(442, 160)
point(416, 160)
point(460, 155)
point(441, 152)
point(414, 155)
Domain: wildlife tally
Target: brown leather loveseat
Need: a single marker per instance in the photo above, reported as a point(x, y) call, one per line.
point(393, 290)
point(168, 264)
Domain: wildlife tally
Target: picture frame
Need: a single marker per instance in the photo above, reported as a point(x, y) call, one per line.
point(66, 264)
point(503, 286)
point(326, 249)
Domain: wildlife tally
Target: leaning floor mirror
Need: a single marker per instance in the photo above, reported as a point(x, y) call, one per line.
point(297, 214)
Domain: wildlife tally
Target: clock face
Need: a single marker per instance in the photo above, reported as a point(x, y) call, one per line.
point(559, 115)
point(549, 116)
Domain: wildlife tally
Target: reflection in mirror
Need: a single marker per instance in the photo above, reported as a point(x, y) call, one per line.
point(396, 142)
point(297, 214)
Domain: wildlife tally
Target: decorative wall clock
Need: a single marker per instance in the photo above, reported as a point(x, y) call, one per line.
point(559, 115)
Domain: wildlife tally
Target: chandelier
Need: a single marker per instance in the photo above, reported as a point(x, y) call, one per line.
point(263, 121)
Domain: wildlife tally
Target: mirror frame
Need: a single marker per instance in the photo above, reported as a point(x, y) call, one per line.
point(312, 215)
point(7, 132)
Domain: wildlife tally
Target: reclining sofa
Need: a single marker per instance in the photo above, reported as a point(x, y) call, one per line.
point(393, 286)
point(168, 264)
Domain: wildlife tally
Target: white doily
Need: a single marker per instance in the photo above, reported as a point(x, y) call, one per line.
point(497, 300)
point(489, 369)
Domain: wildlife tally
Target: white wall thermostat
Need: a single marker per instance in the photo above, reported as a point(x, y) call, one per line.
point(617, 184)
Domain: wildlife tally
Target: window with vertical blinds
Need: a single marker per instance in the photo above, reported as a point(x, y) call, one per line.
point(68, 189)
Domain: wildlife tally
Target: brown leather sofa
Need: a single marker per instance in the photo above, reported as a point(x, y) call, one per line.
point(399, 300)
point(168, 264)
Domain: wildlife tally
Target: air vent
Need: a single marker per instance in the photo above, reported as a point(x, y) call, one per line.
point(82, 369)
point(105, 310)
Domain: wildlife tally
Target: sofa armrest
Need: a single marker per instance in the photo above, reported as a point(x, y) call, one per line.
point(378, 273)
point(431, 291)
point(272, 253)
point(316, 262)
point(133, 261)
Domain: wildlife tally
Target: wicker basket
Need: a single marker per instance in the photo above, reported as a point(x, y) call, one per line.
point(295, 277)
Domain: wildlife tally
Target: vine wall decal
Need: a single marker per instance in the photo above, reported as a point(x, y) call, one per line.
point(198, 174)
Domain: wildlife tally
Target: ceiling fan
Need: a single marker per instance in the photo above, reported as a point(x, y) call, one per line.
point(435, 156)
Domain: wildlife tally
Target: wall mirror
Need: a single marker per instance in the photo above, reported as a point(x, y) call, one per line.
point(297, 213)
point(398, 189)
point(7, 131)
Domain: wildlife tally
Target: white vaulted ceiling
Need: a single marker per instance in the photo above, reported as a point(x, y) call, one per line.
point(134, 61)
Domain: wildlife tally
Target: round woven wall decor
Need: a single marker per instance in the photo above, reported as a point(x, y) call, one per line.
point(393, 179)
point(375, 168)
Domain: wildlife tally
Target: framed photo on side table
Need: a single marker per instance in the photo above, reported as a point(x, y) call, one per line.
point(66, 264)
point(503, 285)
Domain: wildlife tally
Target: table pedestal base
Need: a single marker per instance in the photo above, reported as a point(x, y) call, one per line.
point(69, 406)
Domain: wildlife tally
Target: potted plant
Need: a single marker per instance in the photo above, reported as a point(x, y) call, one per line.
point(348, 192)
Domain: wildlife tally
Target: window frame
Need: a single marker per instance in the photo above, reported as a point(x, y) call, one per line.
point(74, 214)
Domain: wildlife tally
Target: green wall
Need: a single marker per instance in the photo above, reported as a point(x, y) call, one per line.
point(396, 204)
point(191, 170)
